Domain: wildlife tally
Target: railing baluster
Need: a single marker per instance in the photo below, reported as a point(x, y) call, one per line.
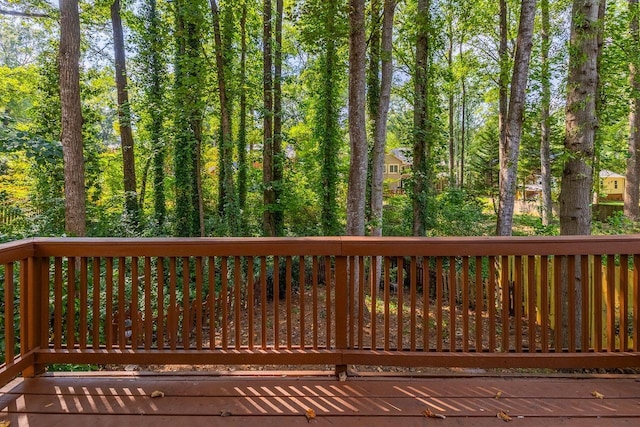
point(400, 310)
point(172, 315)
point(314, 293)
point(329, 280)
point(122, 340)
point(387, 285)
point(160, 329)
point(135, 336)
point(479, 303)
point(148, 310)
point(611, 301)
point(186, 303)
point(505, 285)
point(597, 301)
point(439, 297)
point(301, 296)
point(623, 302)
point(95, 315)
point(584, 327)
point(636, 303)
point(288, 298)
point(250, 300)
point(237, 295)
point(465, 303)
point(491, 302)
point(544, 303)
point(109, 303)
point(374, 283)
point(57, 298)
point(24, 298)
point(198, 303)
point(212, 303)
point(361, 302)
point(531, 299)
point(517, 303)
point(412, 284)
point(83, 303)
point(453, 294)
point(224, 301)
point(571, 290)
point(426, 289)
point(263, 301)
point(71, 298)
point(9, 318)
point(557, 299)
point(276, 302)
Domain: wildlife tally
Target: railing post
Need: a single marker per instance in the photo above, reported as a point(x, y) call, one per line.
point(31, 310)
point(341, 308)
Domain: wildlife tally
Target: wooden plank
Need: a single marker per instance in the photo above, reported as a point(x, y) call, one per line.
point(400, 309)
point(374, 283)
point(301, 298)
point(148, 309)
point(250, 300)
point(83, 303)
point(237, 300)
point(453, 293)
point(199, 309)
point(414, 297)
point(479, 303)
point(160, 303)
point(71, 297)
point(611, 301)
point(623, 302)
point(288, 301)
point(186, 302)
point(544, 302)
point(387, 298)
point(597, 304)
point(491, 291)
point(9, 329)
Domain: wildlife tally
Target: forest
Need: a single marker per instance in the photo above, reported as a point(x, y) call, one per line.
point(275, 117)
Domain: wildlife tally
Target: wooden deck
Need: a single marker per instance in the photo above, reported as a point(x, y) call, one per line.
point(282, 398)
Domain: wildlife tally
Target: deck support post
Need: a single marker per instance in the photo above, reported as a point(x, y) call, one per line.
point(32, 312)
point(341, 309)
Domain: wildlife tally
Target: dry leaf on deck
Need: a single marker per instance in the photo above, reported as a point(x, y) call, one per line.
point(157, 393)
point(310, 414)
point(498, 395)
point(430, 414)
point(597, 395)
point(503, 416)
point(5, 423)
point(342, 376)
point(225, 413)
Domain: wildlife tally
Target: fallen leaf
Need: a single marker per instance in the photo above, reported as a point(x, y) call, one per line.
point(225, 413)
point(157, 393)
point(597, 395)
point(430, 414)
point(49, 405)
point(5, 423)
point(342, 376)
point(310, 414)
point(503, 416)
point(498, 395)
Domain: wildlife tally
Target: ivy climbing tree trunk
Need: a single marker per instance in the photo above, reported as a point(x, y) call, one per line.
point(131, 209)
point(421, 122)
point(242, 131)
point(278, 158)
point(71, 131)
point(227, 200)
point(510, 148)
point(356, 196)
point(632, 182)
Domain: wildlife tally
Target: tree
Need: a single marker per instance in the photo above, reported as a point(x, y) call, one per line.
point(71, 111)
point(581, 120)
point(131, 211)
point(278, 160)
point(382, 110)
point(510, 146)
point(545, 120)
point(632, 182)
point(268, 219)
point(242, 129)
point(356, 196)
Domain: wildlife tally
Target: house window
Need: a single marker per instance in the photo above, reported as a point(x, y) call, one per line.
point(393, 169)
point(385, 169)
point(615, 184)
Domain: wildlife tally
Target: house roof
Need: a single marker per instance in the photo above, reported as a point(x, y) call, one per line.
point(403, 154)
point(604, 173)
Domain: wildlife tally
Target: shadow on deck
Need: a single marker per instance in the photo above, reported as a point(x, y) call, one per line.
point(282, 398)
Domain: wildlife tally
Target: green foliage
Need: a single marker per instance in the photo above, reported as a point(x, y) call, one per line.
point(457, 213)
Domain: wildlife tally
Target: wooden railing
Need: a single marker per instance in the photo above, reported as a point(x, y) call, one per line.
point(564, 302)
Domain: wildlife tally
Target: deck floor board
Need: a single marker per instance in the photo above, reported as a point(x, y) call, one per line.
point(124, 399)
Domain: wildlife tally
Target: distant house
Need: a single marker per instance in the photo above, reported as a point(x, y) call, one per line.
point(611, 186)
point(397, 167)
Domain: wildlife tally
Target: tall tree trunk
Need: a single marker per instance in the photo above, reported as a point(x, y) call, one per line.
point(421, 123)
point(463, 124)
point(632, 182)
point(380, 133)
point(227, 193)
point(511, 149)
point(328, 126)
point(373, 72)
point(451, 106)
point(503, 82)
point(278, 158)
point(242, 131)
point(71, 132)
point(545, 122)
point(268, 219)
point(581, 120)
point(132, 211)
point(155, 98)
point(357, 125)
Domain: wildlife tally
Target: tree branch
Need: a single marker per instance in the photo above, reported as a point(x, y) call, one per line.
point(24, 14)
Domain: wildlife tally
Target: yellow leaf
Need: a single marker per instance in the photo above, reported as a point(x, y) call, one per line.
point(310, 414)
point(157, 393)
point(430, 414)
point(498, 395)
point(503, 416)
point(5, 423)
point(597, 395)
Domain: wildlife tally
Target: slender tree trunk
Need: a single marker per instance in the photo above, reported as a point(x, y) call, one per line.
point(421, 145)
point(155, 98)
point(545, 122)
point(452, 149)
point(278, 160)
point(269, 226)
point(71, 134)
point(357, 125)
point(132, 211)
point(242, 132)
point(463, 125)
point(581, 120)
point(380, 132)
point(511, 150)
point(632, 182)
point(503, 82)
point(373, 72)
point(227, 188)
